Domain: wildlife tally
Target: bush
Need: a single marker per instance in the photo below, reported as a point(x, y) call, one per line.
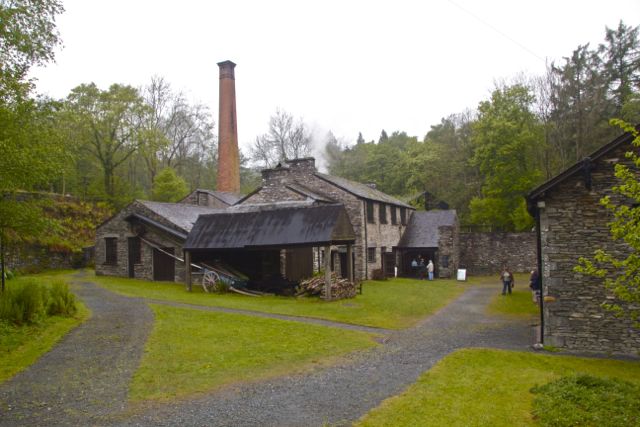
point(24, 303)
point(61, 301)
point(587, 401)
point(29, 302)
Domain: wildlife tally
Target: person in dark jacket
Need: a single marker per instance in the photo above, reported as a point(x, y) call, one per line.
point(507, 280)
point(534, 285)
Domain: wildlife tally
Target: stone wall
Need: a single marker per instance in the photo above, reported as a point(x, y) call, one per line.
point(486, 253)
point(448, 251)
point(119, 228)
point(204, 198)
point(574, 224)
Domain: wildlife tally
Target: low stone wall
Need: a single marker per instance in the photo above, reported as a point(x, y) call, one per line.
point(34, 259)
point(486, 253)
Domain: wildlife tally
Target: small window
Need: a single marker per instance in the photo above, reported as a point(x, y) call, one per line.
point(135, 252)
point(382, 213)
point(403, 216)
point(370, 218)
point(444, 260)
point(394, 215)
point(111, 250)
point(371, 255)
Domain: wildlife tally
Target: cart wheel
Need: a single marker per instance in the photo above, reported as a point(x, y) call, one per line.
point(209, 280)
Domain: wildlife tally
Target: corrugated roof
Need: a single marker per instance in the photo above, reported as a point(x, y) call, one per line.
point(274, 227)
point(422, 230)
point(362, 190)
point(181, 215)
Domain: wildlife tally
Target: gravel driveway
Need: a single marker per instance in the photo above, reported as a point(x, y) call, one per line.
point(340, 395)
point(86, 376)
point(83, 380)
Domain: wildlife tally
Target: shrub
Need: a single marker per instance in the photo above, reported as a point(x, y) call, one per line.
point(587, 401)
point(61, 301)
point(29, 302)
point(24, 303)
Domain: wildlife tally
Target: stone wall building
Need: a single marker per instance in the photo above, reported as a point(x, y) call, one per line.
point(573, 224)
point(378, 220)
point(487, 252)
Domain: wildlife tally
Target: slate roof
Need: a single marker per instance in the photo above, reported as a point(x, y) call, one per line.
point(422, 230)
point(362, 190)
point(307, 192)
point(223, 196)
point(289, 226)
point(181, 215)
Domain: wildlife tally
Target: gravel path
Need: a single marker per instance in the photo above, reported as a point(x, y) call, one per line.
point(86, 376)
point(340, 395)
point(84, 379)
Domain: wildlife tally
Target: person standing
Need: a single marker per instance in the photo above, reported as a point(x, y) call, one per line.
point(430, 269)
point(507, 280)
point(414, 267)
point(422, 269)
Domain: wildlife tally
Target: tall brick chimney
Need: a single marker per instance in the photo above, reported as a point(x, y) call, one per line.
point(228, 155)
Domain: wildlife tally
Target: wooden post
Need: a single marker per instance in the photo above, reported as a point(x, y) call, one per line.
point(327, 272)
point(350, 262)
point(187, 269)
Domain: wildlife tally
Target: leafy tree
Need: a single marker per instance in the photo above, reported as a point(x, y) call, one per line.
point(621, 271)
point(383, 136)
point(168, 186)
point(107, 124)
point(286, 139)
point(503, 137)
point(30, 150)
point(360, 139)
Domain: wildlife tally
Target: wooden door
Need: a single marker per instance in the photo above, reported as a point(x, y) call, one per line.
point(164, 266)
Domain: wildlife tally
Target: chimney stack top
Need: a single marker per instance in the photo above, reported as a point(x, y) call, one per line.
point(226, 69)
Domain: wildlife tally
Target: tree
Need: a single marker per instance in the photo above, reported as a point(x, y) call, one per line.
point(107, 124)
point(28, 37)
point(621, 64)
point(360, 139)
point(383, 136)
point(168, 186)
point(503, 136)
point(30, 150)
point(286, 139)
point(621, 271)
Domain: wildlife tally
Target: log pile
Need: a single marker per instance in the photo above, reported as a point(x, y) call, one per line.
point(314, 286)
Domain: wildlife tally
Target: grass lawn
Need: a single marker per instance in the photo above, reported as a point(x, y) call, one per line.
point(475, 387)
point(22, 346)
point(392, 304)
point(191, 351)
point(519, 303)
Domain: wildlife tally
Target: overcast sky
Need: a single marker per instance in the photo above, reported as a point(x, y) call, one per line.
point(346, 66)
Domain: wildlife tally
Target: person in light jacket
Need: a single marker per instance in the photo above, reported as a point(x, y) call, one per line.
point(430, 269)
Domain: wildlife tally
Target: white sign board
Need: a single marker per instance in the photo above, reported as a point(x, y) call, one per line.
point(462, 274)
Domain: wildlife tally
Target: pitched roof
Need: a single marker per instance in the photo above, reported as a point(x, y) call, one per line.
point(422, 230)
point(307, 192)
point(224, 196)
point(362, 190)
point(312, 225)
point(580, 166)
point(181, 215)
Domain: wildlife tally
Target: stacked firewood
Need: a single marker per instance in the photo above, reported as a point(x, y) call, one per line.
point(340, 288)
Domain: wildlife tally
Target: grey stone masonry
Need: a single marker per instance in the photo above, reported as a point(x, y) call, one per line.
point(486, 253)
point(448, 250)
point(573, 225)
point(117, 227)
point(303, 172)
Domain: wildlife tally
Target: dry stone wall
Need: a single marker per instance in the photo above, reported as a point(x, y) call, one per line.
point(486, 253)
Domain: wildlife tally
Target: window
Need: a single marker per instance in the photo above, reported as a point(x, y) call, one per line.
point(394, 215)
point(111, 250)
point(383, 250)
point(382, 213)
point(444, 260)
point(371, 255)
point(135, 253)
point(370, 218)
point(403, 216)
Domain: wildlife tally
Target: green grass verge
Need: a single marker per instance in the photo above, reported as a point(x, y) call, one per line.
point(476, 387)
point(191, 351)
point(519, 303)
point(22, 346)
point(392, 304)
